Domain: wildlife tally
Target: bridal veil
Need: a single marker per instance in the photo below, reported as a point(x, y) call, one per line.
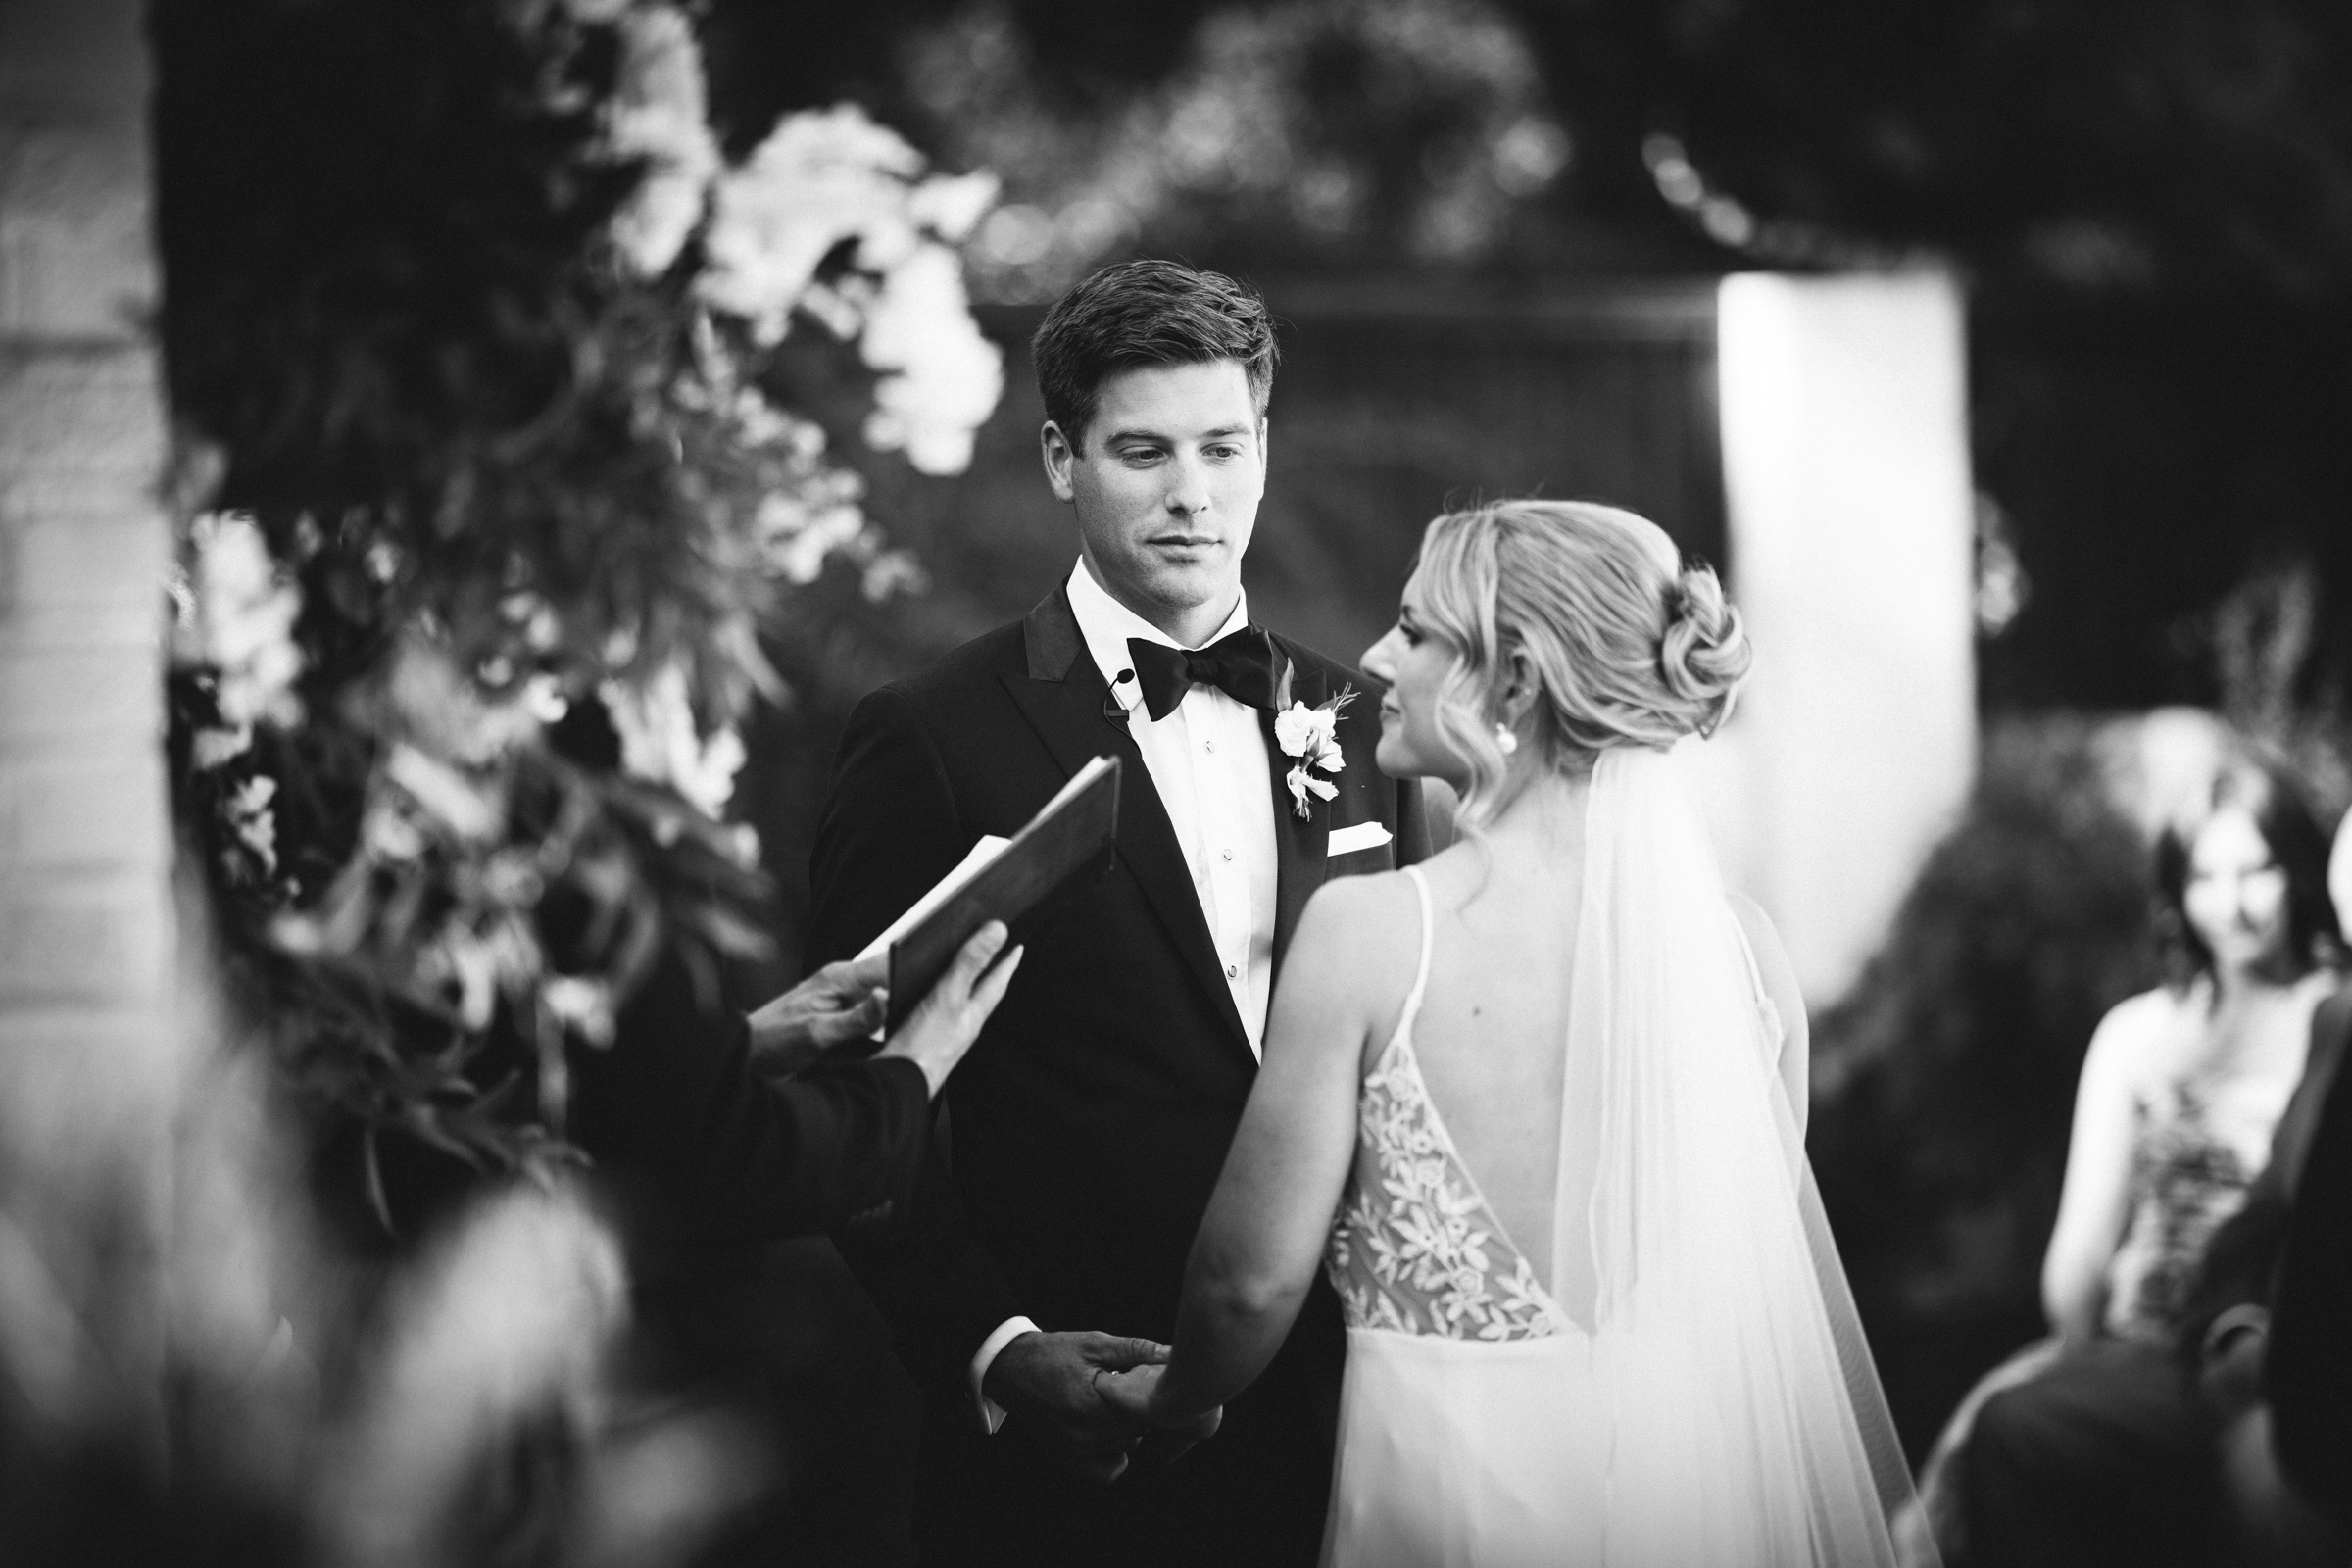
point(1745, 1418)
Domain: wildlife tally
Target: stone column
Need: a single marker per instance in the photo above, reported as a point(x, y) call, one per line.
point(86, 926)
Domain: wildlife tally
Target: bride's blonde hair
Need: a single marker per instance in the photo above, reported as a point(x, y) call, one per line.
point(1629, 643)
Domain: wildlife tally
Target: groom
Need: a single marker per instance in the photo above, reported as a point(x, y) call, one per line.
point(1083, 1134)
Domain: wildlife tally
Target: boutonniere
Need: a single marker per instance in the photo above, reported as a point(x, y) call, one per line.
point(1311, 735)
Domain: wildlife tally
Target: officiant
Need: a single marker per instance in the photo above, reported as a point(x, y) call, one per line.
point(783, 1122)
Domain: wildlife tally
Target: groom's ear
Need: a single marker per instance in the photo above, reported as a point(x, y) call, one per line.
point(1060, 453)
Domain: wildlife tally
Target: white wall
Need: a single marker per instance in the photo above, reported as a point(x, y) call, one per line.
point(1845, 465)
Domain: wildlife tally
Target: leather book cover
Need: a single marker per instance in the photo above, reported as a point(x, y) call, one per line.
point(1065, 847)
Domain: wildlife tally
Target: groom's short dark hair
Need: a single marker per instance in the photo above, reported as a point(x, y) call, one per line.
point(1146, 312)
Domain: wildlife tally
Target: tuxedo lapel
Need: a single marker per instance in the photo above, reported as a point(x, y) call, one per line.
point(1299, 842)
point(1068, 703)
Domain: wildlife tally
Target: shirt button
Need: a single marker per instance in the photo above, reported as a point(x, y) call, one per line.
point(1229, 854)
point(1232, 973)
point(1208, 746)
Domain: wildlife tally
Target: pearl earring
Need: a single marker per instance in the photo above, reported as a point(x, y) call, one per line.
point(1506, 738)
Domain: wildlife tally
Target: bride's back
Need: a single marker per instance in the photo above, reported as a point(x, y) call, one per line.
point(1532, 638)
point(1492, 1034)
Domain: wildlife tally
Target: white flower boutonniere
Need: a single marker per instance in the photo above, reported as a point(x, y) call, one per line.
point(1311, 735)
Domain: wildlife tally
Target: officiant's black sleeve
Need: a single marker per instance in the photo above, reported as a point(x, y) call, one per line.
point(674, 1108)
point(890, 830)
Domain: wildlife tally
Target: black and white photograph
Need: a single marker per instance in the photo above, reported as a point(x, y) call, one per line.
point(1179, 783)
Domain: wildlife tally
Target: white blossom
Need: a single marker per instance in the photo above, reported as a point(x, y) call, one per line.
point(942, 378)
point(1303, 731)
point(1302, 782)
point(833, 178)
point(209, 747)
point(660, 743)
point(582, 1004)
point(241, 613)
point(658, 113)
point(1312, 734)
point(820, 178)
point(950, 205)
point(797, 536)
point(248, 811)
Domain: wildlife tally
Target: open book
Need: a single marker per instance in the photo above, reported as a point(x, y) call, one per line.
point(1064, 846)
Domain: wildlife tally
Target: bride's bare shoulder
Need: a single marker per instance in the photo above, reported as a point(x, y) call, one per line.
point(1363, 908)
point(1356, 933)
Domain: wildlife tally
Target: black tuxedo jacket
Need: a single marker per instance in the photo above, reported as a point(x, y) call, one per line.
point(1086, 1129)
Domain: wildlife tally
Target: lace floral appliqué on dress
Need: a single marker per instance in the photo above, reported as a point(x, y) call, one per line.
point(1416, 1249)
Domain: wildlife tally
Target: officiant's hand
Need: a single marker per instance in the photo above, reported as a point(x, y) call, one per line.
point(1050, 1386)
point(945, 1024)
point(839, 1004)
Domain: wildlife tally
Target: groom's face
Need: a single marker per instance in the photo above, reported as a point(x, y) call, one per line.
point(1165, 487)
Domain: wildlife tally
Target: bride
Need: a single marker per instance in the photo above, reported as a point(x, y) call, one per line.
point(1536, 1107)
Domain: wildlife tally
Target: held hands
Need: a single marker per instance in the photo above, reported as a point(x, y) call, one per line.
point(1137, 1393)
point(847, 1001)
point(1057, 1389)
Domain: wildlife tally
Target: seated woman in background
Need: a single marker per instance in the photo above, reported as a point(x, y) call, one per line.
point(2183, 1085)
point(2098, 1450)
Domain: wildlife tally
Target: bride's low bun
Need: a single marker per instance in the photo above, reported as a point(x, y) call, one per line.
point(1629, 644)
point(1704, 654)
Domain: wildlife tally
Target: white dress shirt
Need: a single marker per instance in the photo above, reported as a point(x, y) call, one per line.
point(1207, 761)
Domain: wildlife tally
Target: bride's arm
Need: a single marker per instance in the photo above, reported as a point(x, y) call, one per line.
point(1780, 984)
point(1264, 1233)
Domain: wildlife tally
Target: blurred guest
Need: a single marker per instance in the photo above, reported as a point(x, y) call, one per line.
point(2183, 1085)
point(2090, 1446)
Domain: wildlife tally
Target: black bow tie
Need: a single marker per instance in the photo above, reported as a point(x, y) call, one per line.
point(1241, 666)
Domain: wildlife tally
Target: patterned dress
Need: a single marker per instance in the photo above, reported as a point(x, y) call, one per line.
point(2200, 1137)
point(1470, 1433)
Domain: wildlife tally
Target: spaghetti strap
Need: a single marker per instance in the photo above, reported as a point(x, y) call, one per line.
point(1766, 1008)
point(1413, 1000)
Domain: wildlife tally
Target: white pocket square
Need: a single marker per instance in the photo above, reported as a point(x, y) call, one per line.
point(1360, 836)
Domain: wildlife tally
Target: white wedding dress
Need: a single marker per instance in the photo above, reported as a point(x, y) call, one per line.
point(1690, 1388)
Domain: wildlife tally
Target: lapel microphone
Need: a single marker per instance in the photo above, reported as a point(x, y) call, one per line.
point(1112, 712)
